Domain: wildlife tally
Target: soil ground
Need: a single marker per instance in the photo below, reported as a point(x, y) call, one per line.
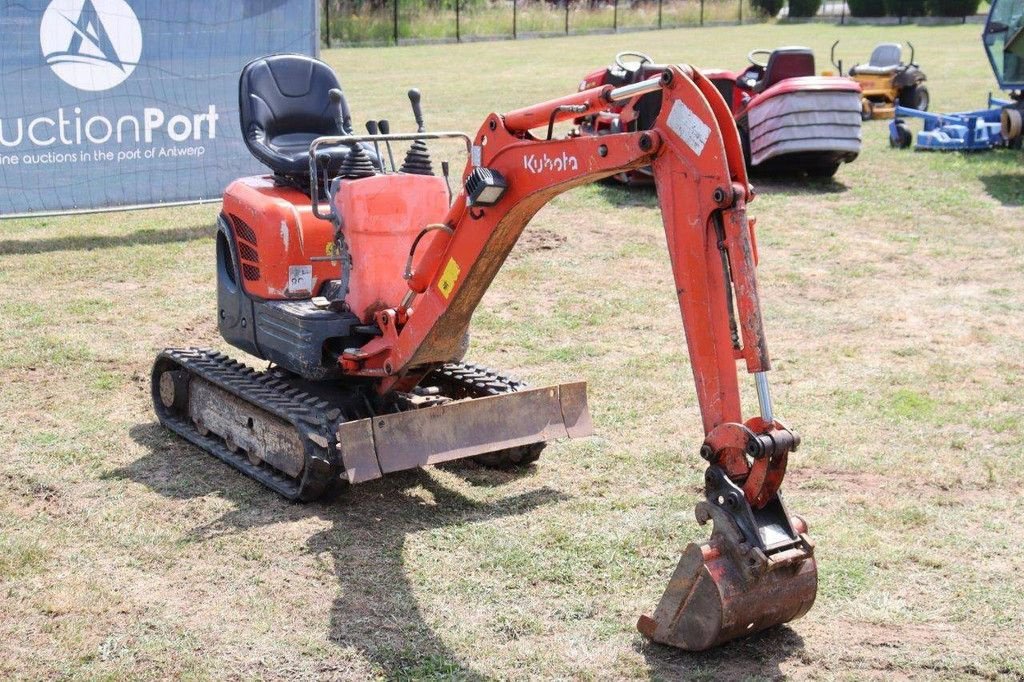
point(893, 304)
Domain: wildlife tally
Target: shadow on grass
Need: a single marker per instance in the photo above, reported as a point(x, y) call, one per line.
point(796, 185)
point(84, 242)
point(1001, 171)
point(1006, 189)
point(755, 657)
point(375, 611)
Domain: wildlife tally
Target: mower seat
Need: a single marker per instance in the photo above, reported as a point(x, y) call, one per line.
point(786, 62)
point(885, 60)
point(284, 105)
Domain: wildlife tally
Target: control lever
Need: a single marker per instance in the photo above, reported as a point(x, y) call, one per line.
point(444, 171)
point(371, 127)
point(385, 129)
point(343, 115)
point(417, 112)
point(417, 159)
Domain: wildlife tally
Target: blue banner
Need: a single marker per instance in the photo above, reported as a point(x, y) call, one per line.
point(113, 103)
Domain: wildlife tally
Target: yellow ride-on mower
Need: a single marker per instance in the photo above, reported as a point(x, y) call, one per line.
point(885, 79)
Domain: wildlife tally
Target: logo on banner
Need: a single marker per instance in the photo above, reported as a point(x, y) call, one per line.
point(91, 44)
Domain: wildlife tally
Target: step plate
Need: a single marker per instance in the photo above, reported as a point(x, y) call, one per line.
point(373, 447)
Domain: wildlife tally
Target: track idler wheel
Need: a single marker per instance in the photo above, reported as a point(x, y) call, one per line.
point(725, 588)
point(174, 389)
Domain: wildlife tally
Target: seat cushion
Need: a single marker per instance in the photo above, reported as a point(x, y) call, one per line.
point(786, 62)
point(868, 70)
point(283, 106)
point(886, 54)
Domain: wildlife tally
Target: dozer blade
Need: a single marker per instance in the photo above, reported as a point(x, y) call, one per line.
point(373, 447)
point(726, 588)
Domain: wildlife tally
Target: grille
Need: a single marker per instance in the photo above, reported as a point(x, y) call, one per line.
point(250, 272)
point(243, 231)
point(246, 252)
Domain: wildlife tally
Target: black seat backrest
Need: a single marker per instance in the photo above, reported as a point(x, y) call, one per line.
point(786, 62)
point(886, 54)
point(283, 106)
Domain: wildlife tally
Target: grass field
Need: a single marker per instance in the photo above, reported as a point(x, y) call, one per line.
point(894, 314)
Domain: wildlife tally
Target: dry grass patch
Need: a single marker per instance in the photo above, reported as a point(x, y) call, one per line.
point(893, 312)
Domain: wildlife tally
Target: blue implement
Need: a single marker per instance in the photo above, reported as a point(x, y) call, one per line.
point(961, 131)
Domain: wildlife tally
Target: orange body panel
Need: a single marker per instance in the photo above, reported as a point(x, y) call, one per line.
point(381, 216)
point(277, 235)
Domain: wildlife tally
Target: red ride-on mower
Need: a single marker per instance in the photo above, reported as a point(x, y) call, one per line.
point(790, 120)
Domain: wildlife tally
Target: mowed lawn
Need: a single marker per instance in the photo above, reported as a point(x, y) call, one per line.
point(896, 321)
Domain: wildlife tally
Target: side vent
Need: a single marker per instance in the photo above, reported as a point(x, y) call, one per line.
point(243, 231)
point(250, 272)
point(247, 252)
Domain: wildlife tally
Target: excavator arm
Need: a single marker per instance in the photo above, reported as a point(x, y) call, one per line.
point(758, 568)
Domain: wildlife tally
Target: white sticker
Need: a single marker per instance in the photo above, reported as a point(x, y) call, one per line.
point(688, 126)
point(474, 154)
point(300, 279)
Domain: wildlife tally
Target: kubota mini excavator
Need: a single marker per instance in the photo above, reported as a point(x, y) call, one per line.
point(358, 283)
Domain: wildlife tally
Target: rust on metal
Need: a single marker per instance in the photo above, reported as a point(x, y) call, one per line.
point(726, 588)
point(575, 409)
point(387, 443)
point(355, 446)
point(263, 436)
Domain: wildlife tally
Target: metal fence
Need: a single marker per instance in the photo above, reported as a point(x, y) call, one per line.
point(400, 22)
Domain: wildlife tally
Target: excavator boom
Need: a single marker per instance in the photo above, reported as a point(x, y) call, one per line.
point(758, 569)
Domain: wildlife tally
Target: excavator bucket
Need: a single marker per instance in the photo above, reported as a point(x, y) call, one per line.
point(728, 588)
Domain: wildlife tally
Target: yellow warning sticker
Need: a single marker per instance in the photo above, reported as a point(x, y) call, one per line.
point(447, 282)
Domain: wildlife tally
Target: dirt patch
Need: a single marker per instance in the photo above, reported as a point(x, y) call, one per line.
point(533, 240)
point(852, 482)
point(33, 496)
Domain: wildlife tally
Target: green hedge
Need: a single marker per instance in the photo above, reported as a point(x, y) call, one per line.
point(768, 8)
point(905, 8)
point(952, 8)
point(912, 8)
point(804, 8)
point(866, 8)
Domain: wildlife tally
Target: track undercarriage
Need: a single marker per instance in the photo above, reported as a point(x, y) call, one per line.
point(299, 437)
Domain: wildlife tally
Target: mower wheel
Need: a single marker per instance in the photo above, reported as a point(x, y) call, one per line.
point(902, 138)
point(915, 97)
point(867, 110)
point(1012, 124)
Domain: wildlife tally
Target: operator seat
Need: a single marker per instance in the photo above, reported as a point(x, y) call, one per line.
point(284, 105)
point(786, 62)
point(885, 60)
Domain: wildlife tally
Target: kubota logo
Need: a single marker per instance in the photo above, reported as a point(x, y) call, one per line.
point(91, 44)
point(540, 163)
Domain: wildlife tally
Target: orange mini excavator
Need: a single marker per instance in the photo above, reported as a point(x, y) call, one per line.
point(357, 280)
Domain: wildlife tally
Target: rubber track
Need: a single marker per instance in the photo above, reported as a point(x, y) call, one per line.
point(479, 381)
point(310, 415)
